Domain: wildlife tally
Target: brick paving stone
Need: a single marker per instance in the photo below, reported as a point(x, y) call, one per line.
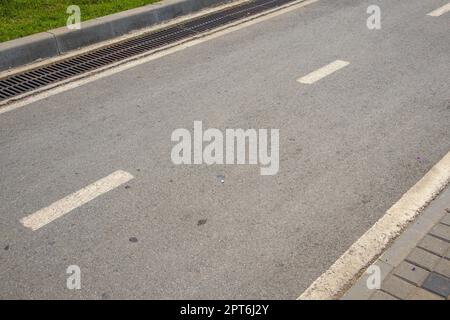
point(411, 273)
point(442, 231)
point(446, 219)
point(443, 267)
point(418, 260)
point(437, 284)
point(423, 258)
point(447, 255)
point(401, 247)
point(397, 287)
point(421, 294)
point(380, 295)
point(360, 290)
point(434, 245)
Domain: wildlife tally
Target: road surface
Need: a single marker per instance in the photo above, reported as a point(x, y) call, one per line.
point(350, 145)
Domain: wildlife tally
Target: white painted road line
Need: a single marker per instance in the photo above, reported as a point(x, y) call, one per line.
point(440, 11)
point(145, 57)
point(75, 200)
point(333, 282)
point(323, 72)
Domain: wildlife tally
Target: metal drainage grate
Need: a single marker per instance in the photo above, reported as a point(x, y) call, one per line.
point(24, 82)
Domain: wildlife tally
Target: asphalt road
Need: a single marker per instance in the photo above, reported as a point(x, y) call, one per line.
point(350, 145)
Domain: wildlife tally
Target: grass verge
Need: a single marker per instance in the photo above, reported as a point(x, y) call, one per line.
point(19, 18)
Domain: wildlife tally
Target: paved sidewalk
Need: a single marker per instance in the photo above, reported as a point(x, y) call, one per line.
point(417, 265)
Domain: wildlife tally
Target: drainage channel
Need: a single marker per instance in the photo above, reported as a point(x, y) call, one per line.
point(28, 81)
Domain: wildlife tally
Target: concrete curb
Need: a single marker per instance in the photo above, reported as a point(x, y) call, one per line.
point(352, 263)
point(54, 42)
point(402, 246)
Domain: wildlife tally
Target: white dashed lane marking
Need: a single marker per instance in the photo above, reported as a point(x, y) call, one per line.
point(67, 204)
point(144, 57)
point(440, 11)
point(323, 72)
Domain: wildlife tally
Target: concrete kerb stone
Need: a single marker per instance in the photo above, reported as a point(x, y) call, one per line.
point(24, 50)
point(48, 44)
point(91, 31)
point(403, 246)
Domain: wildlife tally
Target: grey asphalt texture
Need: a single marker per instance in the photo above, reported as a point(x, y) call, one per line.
point(350, 146)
